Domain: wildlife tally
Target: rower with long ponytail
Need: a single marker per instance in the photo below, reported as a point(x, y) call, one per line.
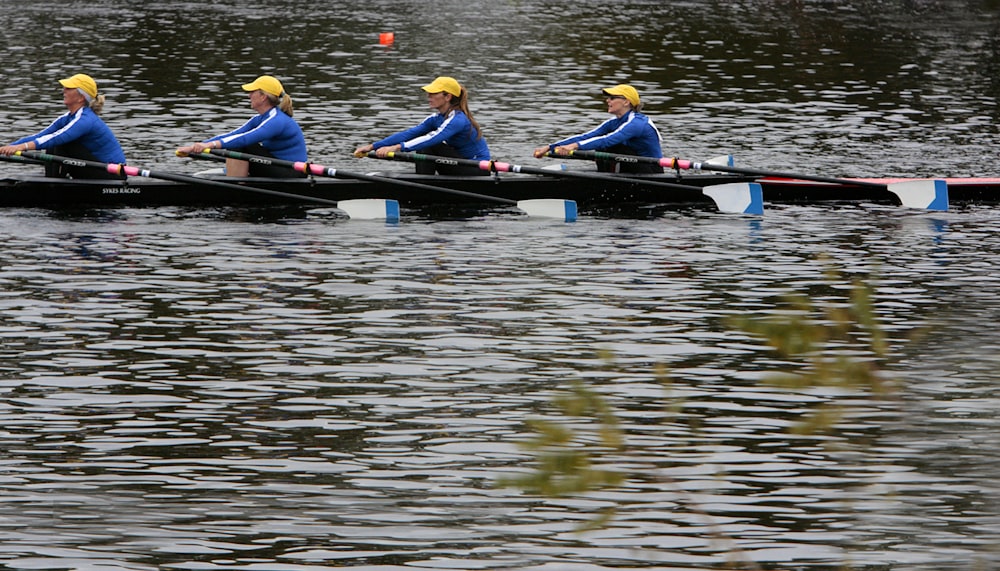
point(451, 131)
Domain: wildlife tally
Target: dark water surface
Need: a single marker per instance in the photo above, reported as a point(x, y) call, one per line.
point(289, 390)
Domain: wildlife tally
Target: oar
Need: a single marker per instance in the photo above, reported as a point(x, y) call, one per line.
point(930, 194)
point(741, 198)
point(541, 207)
point(390, 211)
point(20, 160)
point(723, 160)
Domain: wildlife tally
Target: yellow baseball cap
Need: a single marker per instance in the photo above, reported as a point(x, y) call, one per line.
point(267, 84)
point(626, 91)
point(81, 81)
point(447, 84)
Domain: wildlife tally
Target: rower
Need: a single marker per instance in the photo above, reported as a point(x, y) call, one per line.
point(450, 131)
point(79, 133)
point(629, 132)
point(271, 133)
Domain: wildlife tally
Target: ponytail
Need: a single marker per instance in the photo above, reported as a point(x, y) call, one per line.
point(97, 104)
point(284, 102)
point(463, 106)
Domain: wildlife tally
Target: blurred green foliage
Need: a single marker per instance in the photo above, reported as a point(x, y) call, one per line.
point(827, 341)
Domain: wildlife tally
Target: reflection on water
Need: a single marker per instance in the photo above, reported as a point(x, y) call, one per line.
point(289, 390)
point(193, 391)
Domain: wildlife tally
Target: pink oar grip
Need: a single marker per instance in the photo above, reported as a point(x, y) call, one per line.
point(309, 168)
point(498, 166)
point(675, 164)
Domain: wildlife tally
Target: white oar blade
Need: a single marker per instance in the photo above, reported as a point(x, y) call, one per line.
point(737, 197)
point(926, 194)
point(371, 209)
point(549, 208)
point(723, 161)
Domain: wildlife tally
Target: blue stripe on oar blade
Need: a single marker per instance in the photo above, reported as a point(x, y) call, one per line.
point(926, 194)
point(737, 197)
point(549, 208)
point(371, 209)
point(722, 161)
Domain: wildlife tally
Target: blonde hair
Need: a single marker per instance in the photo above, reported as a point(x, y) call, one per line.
point(284, 102)
point(97, 104)
point(463, 105)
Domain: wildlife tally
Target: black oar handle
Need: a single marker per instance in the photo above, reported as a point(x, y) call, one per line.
point(754, 172)
point(21, 160)
point(602, 156)
point(675, 163)
point(497, 166)
point(120, 169)
point(320, 170)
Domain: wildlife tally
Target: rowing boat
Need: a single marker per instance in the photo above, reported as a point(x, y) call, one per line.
point(591, 195)
point(39, 191)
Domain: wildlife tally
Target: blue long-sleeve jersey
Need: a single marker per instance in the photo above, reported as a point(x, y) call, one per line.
point(632, 129)
point(453, 129)
point(275, 130)
point(83, 126)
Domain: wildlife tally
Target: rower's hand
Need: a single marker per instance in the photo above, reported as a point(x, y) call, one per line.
point(363, 150)
point(382, 152)
point(200, 147)
point(183, 151)
point(541, 151)
point(565, 149)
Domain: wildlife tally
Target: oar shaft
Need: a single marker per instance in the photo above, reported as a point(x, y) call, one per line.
point(119, 169)
point(497, 166)
point(683, 164)
point(20, 160)
point(618, 158)
point(320, 170)
point(675, 163)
